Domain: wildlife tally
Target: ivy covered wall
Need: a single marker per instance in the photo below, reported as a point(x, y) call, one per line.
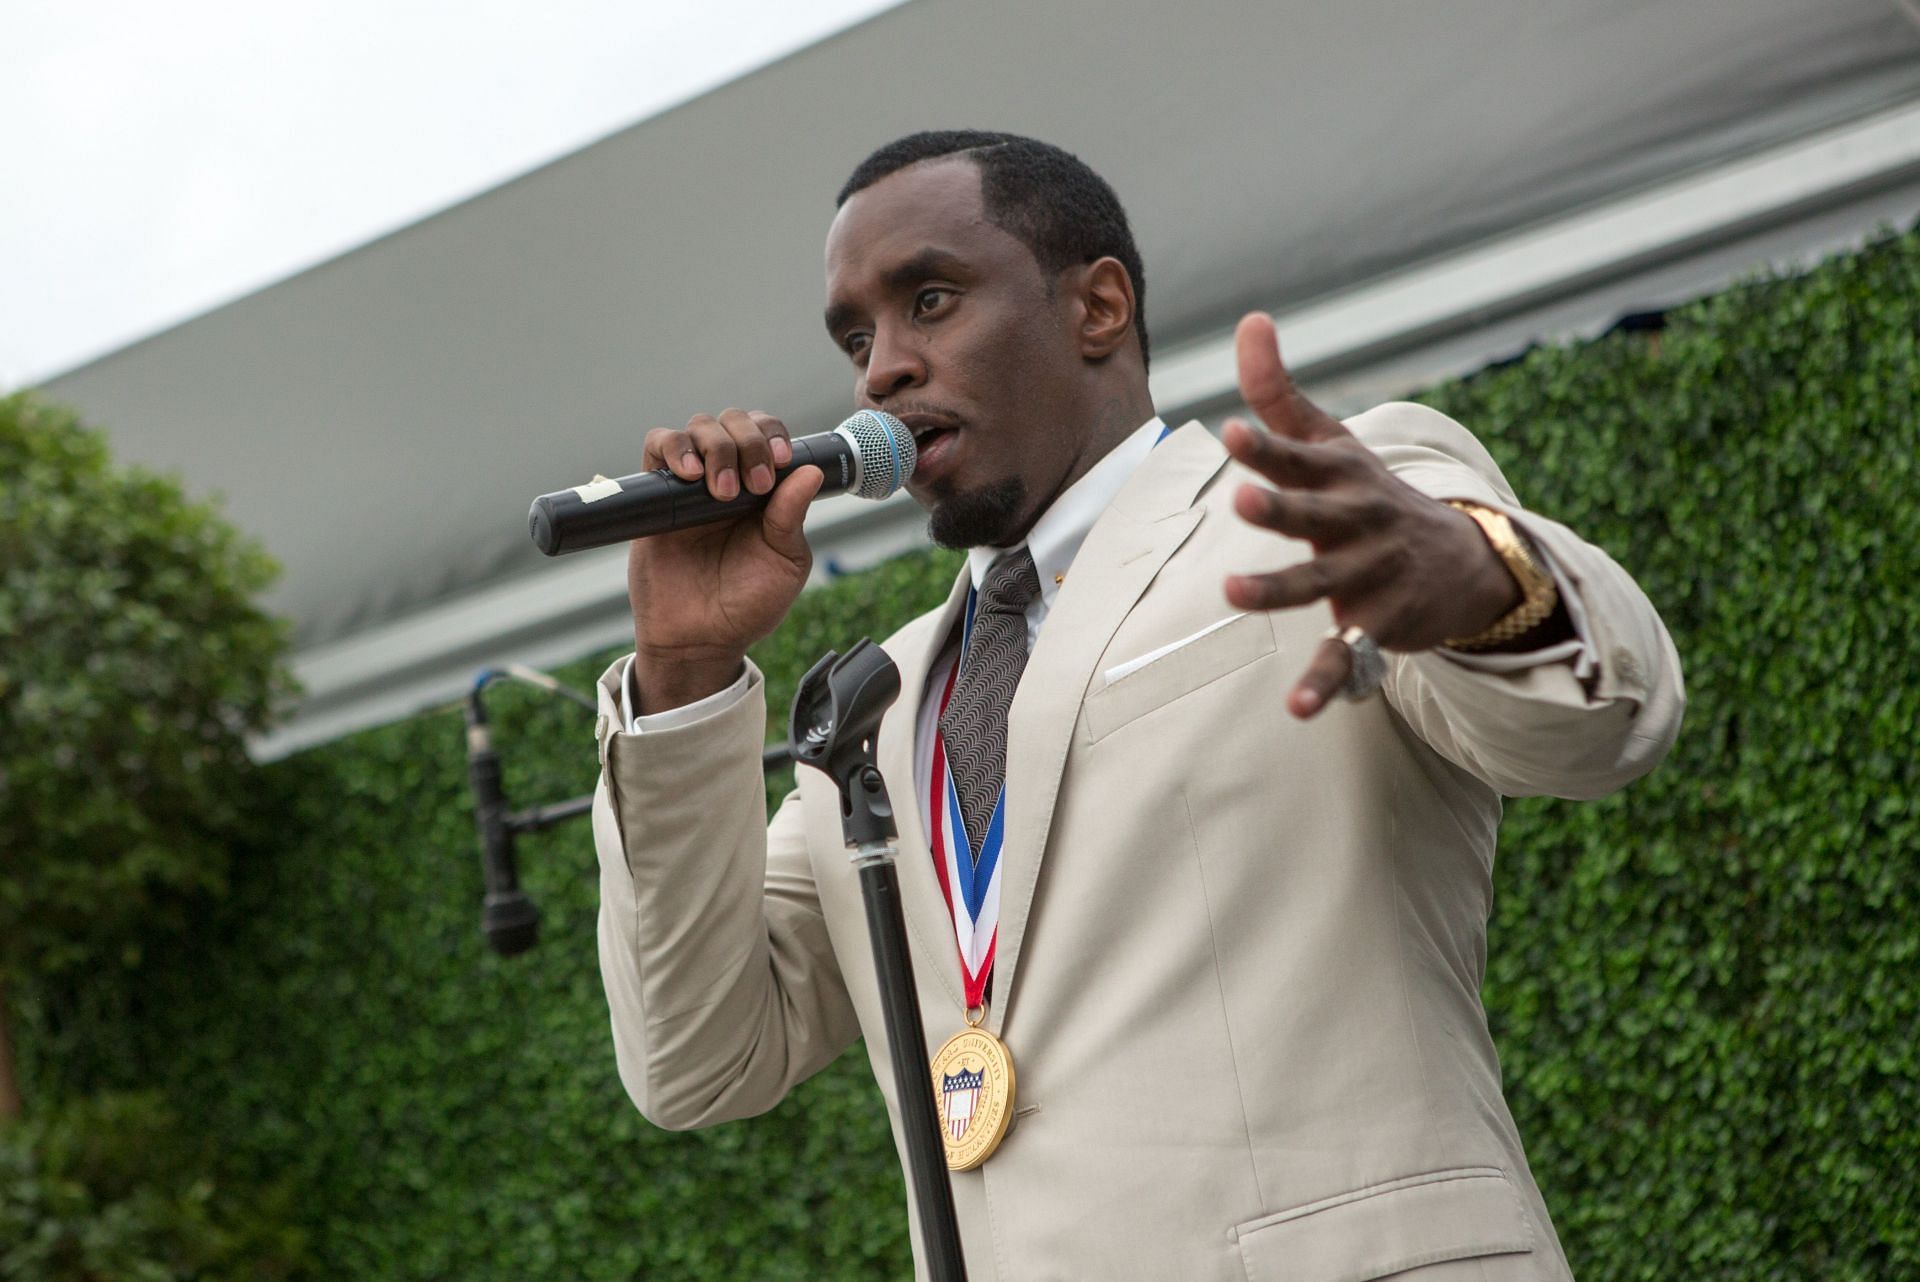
point(1706, 989)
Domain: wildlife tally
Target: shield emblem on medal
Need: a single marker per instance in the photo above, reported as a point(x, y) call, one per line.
point(959, 1094)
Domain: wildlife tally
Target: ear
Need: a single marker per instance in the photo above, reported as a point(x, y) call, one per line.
point(1106, 308)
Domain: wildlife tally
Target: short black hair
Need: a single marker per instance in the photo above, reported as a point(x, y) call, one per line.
point(1049, 198)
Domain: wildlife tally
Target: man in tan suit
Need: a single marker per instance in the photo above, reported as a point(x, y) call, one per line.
point(1241, 920)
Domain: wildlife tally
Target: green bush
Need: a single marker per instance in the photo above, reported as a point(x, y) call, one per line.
point(107, 1189)
point(454, 1115)
point(133, 663)
point(1703, 988)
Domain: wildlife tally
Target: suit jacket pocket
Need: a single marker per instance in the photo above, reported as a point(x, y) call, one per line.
point(1459, 1214)
point(1180, 671)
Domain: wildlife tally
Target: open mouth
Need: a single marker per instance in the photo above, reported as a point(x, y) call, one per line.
point(932, 441)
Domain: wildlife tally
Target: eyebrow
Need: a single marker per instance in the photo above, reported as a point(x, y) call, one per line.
point(928, 262)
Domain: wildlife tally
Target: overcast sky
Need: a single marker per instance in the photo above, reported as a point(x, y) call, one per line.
point(162, 158)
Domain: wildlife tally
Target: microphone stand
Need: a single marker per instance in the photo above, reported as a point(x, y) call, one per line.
point(508, 918)
point(836, 719)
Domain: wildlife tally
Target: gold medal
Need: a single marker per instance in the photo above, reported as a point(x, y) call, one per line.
point(973, 1087)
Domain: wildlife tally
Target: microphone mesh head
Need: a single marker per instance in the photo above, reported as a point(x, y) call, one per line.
point(884, 449)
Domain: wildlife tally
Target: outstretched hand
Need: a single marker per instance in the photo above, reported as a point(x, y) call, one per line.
point(1408, 570)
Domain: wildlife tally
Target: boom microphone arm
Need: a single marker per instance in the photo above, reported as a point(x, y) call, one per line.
point(508, 918)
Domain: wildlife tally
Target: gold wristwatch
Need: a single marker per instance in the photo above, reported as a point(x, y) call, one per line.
point(1538, 597)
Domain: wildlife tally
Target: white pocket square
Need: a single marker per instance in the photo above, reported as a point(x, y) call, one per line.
point(1119, 670)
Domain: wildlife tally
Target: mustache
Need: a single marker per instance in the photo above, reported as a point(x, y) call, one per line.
point(904, 409)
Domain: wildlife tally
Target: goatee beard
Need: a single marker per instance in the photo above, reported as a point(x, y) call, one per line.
point(986, 517)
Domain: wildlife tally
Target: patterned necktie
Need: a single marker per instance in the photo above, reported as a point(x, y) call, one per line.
point(974, 726)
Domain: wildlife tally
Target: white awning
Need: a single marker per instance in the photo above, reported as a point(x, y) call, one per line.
point(1412, 187)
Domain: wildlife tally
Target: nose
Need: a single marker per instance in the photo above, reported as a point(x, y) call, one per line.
point(894, 363)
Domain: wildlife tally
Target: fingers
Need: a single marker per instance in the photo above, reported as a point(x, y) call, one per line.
point(779, 441)
point(752, 448)
point(672, 450)
point(1280, 589)
point(719, 451)
point(1348, 572)
point(1268, 388)
point(1265, 384)
point(1323, 518)
point(1294, 463)
point(785, 516)
point(1332, 662)
point(737, 449)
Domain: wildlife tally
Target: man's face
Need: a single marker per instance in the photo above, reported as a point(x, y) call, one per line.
point(952, 328)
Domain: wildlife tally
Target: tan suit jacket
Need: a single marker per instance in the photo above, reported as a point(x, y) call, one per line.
point(1240, 956)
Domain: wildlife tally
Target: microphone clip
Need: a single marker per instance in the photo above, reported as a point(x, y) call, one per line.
point(835, 722)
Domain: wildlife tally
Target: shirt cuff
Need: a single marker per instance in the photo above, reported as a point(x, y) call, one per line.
point(673, 718)
point(1578, 652)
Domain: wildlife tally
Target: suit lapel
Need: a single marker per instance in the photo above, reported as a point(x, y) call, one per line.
point(924, 907)
point(1149, 520)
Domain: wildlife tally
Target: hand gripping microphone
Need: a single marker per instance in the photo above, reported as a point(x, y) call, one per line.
point(871, 454)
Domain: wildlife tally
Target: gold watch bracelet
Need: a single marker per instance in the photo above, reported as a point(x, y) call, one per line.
point(1539, 597)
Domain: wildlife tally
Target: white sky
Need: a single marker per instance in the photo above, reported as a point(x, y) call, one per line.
point(157, 159)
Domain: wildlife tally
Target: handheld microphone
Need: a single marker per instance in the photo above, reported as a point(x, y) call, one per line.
point(872, 454)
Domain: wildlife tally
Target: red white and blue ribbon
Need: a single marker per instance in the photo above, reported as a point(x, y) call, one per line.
point(970, 886)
